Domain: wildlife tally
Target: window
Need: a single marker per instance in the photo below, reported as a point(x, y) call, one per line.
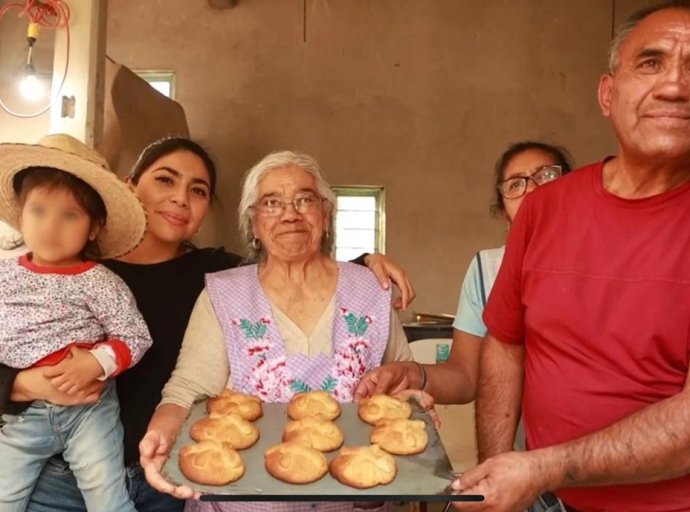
point(359, 221)
point(162, 81)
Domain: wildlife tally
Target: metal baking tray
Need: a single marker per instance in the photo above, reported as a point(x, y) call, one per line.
point(427, 474)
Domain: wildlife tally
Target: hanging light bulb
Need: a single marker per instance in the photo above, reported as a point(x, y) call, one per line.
point(31, 87)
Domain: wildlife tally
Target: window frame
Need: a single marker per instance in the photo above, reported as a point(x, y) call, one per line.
point(159, 75)
point(379, 193)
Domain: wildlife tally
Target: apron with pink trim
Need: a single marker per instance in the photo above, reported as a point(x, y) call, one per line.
point(260, 365)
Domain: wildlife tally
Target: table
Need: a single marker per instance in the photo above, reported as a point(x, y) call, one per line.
point(423, 330)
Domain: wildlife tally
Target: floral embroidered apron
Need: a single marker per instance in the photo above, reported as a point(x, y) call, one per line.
point(259, 364)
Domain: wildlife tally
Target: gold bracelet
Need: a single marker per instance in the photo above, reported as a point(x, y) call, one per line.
point(423, 370)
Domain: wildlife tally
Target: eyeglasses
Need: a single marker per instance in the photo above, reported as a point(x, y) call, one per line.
point(273, 206)
point(515, 187)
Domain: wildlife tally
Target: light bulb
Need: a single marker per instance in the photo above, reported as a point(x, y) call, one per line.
point(31, 87)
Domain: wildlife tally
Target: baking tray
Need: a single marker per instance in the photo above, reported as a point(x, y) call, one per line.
point(426, 475)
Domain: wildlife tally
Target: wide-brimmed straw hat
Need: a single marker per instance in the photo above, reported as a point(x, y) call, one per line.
point(126, 221)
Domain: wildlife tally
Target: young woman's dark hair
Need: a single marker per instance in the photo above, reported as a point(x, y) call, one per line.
point(167, 145)
point(86, 197)
point(559, 154)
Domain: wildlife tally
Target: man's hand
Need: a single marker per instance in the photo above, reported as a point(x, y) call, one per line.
point(386, 270)
point(75, 373)
point(389, 379)
point(509, 482)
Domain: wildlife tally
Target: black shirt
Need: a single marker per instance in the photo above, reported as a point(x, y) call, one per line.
point(165, 294)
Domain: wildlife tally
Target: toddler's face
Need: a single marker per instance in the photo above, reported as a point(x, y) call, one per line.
point(54, 227)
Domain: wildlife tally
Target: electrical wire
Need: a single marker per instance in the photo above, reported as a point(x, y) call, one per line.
point(48, 14)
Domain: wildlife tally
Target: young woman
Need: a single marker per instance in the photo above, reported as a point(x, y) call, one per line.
point(175, 179)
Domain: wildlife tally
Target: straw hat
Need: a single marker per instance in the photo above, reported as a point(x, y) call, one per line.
point(126, 220)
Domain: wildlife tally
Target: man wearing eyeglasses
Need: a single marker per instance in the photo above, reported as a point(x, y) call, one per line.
point(589, 319)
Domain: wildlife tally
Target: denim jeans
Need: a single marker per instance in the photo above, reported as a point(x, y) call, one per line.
point(90, 439)
point(57, 490)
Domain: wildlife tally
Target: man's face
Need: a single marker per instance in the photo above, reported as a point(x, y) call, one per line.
point(647, 97)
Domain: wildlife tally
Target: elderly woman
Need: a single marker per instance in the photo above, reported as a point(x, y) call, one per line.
point(305, 302)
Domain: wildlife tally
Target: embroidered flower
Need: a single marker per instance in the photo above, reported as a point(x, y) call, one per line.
point(270, 379)
point(258, 347)
point(359, 345)
point(356, 325)
point(253, 330)
point(345, 389)
point(350, 362)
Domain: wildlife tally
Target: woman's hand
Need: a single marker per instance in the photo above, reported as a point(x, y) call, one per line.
point(389, 379)
point(424, 400)
point(155, 447)
point(153, 450)
point(400, 379)
point(386, 270)
point(32, 384)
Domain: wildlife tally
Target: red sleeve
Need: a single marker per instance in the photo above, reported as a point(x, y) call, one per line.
point(123, 356)
point(504, 315)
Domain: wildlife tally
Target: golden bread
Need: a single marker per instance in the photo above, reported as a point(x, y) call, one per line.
point(363, 467)
point(247, 406)
point(295, 463)
point(210, 463)
point(378, 407)
point(313, 404)
point(323, 435)
point(400, 436)
point(225, 428)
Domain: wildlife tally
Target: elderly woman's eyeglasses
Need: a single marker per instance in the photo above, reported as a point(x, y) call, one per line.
point(515, 187)
point(273, 206)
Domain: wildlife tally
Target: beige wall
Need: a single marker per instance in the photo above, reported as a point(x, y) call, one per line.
point(419, 96)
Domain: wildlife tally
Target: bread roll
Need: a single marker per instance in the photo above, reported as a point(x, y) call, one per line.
point(225, 428)
point(295, 463)
point(247, 406)
point(210, 463)
point(400, 436)
point(363, 467)
point(323, 435)
point(313, 404)
point(378, 407)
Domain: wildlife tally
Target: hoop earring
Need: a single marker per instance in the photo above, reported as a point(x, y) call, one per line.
point(326, 235)
point(255, 244)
